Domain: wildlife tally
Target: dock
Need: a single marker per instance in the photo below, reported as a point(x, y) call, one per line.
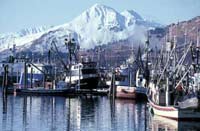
point(62, 92)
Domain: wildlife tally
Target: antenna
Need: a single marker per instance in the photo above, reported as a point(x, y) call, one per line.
point(198, 37)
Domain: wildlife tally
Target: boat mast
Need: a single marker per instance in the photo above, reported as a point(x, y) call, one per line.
point(198, 49)
point(130, 66)
point(147, 60)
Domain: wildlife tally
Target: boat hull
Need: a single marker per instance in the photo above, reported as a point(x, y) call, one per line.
point(125, 92)
point(158, 122)
point(35, 91)
point(89, 83)
point(141, 93)
point(174, 113)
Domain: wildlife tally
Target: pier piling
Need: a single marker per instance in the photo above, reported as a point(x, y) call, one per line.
point(112, 91)
point(31, 77)
point(5, 80)
point(25, 75)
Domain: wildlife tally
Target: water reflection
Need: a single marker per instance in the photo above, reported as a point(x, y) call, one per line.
point(31, 113)
point(59, 113)
point(158, 123)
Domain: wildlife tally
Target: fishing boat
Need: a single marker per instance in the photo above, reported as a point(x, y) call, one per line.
point(174, 111)
point(84, 75)
point(142, 73)
point(37, 79)
point(140, 84)
point(123, 82)
point(175, 94)
point(180, 104)
point(124, 85)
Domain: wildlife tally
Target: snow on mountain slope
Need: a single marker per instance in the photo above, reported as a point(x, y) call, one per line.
point(131, 17)
point(30, 31)
point(99, 24)
point(20, 38)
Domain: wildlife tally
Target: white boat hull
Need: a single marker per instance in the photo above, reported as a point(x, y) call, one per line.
point(158, 122)
point(174, 113)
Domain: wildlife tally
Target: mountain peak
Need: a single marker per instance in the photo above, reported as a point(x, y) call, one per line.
point(97, 5)
point(101, 8)
point(100, 16)
point(98, 24)
point(132, 14)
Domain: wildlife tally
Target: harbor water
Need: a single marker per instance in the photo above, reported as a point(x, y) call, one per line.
point(47, 113)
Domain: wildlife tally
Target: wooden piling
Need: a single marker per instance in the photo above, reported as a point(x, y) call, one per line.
point(31, 77)
point(112, 92)
point(111, 87)
point(25, 75)
point(114, 88)
point(5, 80)
point(79, 77)
point(44, 79)
point(4, 103)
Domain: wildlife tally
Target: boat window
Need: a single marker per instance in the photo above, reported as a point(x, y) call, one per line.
point(89, 71)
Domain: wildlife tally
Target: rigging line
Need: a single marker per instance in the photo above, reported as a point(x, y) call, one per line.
point(165, 66)
point(57, 52)
point(182, 59)
point(183, 77)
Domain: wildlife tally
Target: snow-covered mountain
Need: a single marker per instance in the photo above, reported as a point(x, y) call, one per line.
point(99, 24)
point(19, 38)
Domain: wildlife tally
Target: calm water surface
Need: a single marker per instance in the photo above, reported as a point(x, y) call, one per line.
point(46, 113)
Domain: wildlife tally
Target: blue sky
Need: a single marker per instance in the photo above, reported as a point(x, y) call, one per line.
point(19, 14)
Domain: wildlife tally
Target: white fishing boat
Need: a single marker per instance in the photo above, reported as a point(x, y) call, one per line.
point(84, 75)
point(186, 107)
point(176, 93)
point(174, 112)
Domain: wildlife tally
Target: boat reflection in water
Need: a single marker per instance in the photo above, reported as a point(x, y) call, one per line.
point(45, 113)
point(159, 123)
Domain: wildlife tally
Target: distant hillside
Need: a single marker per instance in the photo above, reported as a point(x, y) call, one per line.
point(188, 28)
point(184, 32)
